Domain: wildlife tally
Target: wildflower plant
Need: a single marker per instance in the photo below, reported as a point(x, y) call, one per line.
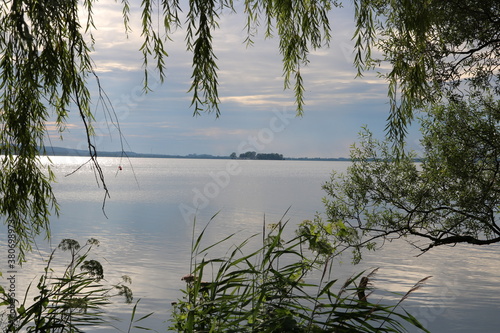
point(68, 302)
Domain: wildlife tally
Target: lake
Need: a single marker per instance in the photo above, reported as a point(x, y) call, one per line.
point(146, 231)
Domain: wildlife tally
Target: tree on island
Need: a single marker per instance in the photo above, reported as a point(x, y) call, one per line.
point(270, 156)
point(249, 155)
point(252, 155)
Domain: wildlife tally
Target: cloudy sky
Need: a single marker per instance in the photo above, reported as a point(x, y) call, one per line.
point(256, 112)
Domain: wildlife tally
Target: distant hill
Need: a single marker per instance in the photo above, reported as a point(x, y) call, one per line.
point(60, 151)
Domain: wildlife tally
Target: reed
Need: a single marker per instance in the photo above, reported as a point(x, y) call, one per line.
point(275, 288)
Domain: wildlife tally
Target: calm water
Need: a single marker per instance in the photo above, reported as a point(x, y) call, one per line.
point(147, 233)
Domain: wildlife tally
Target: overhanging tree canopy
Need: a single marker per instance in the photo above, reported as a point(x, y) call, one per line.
point(429, 51)
point(45, 64)
point(441, 57)
point(452, 196)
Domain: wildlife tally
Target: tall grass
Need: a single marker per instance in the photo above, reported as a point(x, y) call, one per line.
point(270, 290)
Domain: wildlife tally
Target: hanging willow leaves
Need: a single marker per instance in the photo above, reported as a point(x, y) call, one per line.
point(44, 69)
point(45, 66)
point(429, 52)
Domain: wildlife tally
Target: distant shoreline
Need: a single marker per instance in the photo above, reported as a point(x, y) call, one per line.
point(59, 151)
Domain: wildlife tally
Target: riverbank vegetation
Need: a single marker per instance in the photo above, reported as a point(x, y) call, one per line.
point(282, 285)
point(66, 297)
point(265, 283)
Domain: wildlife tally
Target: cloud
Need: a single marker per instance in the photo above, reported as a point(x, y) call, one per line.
point(216, 133)
point(250, 87)
point(53, 126)
point(260, 100)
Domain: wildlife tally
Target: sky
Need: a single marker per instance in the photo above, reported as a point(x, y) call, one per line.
point(257, 114)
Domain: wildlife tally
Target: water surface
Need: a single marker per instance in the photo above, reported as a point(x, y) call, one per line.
point(146, 231)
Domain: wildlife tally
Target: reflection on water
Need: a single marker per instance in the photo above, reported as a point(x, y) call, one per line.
point(148, 237)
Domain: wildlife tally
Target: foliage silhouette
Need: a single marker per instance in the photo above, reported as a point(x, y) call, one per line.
point(69, 302)
point(271, 289)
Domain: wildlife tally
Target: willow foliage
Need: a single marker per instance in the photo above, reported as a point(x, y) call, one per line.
point(429, 51)
point(45, 65)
